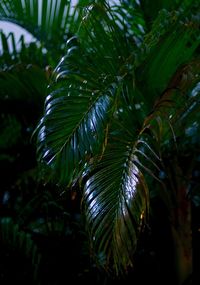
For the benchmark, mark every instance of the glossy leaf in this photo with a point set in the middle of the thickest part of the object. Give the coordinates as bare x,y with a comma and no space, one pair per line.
117,201
111,110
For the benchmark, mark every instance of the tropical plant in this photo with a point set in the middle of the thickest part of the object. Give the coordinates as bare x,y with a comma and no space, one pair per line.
119,102
121,118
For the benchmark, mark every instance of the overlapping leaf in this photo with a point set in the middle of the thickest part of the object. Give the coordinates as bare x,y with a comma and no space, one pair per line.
102,120
78,106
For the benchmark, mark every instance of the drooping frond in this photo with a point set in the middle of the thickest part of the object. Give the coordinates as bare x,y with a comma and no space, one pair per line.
116,194
71,130
116,198
109,112
80,101
75,114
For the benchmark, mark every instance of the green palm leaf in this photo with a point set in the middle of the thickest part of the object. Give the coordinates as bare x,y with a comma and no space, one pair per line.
80,98
29,80
14,52
129,17
72,138
107,117
116,202
173,49
50,22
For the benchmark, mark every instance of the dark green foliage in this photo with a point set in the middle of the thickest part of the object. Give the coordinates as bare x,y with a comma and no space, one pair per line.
119,117
19,246
120,103
50,224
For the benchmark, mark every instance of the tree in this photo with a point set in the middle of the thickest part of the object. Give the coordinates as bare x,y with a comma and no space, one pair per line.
121,119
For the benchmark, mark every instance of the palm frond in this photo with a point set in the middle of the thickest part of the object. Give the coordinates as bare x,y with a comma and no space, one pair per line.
99,20
116,198
161,63
76,131
84,86
50,22
29,80
14,52
116,193
129,17
108,113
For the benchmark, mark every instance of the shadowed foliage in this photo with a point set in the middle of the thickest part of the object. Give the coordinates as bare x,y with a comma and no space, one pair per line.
120,118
